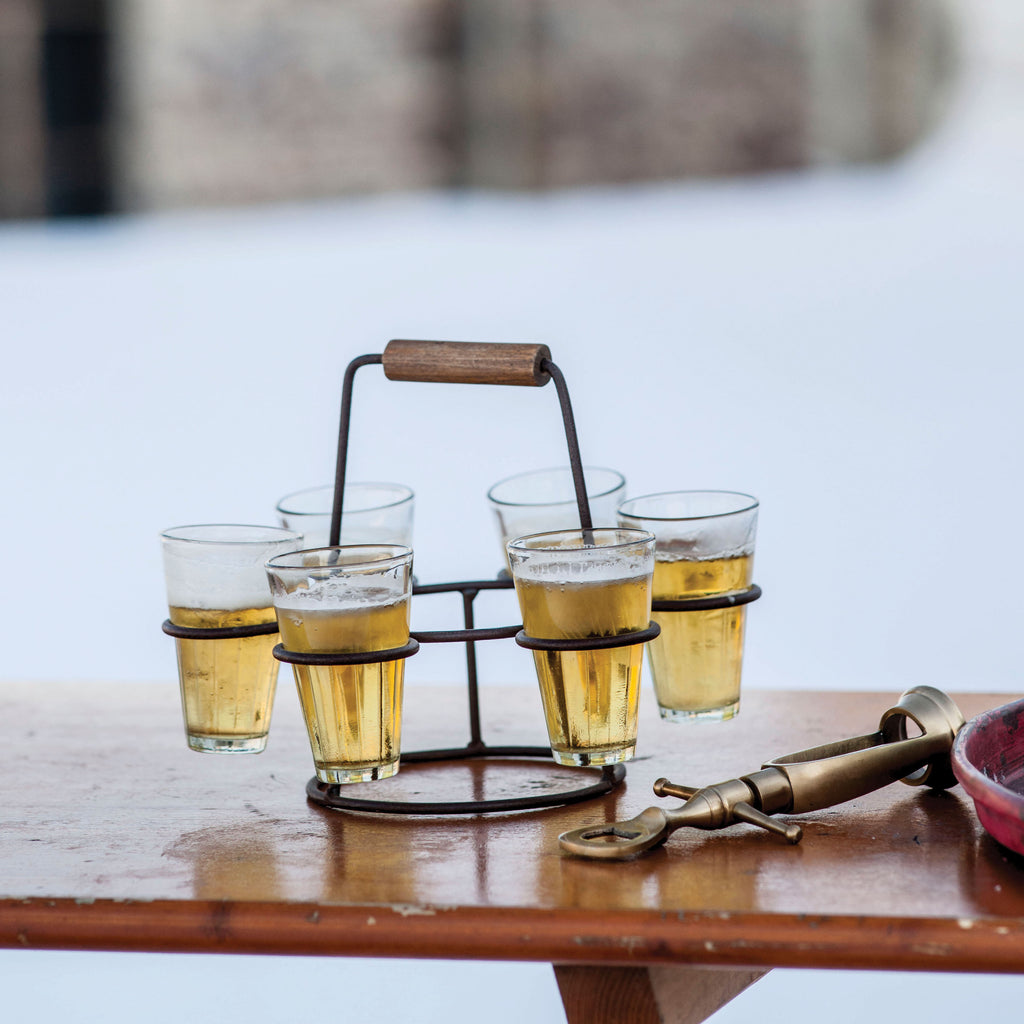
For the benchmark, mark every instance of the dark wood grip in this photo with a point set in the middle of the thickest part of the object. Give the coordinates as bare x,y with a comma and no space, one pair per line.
466,362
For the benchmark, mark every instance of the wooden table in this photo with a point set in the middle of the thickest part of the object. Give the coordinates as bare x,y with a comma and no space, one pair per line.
116,837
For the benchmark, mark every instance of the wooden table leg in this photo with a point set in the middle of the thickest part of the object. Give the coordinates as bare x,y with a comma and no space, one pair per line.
647,995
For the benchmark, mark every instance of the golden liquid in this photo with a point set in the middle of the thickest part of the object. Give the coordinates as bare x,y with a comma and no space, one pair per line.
227,686
697,659
590,697
353,713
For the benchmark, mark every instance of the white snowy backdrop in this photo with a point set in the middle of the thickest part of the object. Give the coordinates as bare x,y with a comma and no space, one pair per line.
845,346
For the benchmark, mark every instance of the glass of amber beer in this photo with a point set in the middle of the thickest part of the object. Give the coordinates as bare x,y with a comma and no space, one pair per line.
573,585
371,514
215,579
705,547
347,600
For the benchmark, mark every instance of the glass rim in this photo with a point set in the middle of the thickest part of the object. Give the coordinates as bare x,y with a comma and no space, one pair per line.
640,537
751,503
406,494
280,534
399,553
554,469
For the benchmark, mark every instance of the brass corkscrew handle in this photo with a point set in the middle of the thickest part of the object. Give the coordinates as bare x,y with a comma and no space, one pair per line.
836,772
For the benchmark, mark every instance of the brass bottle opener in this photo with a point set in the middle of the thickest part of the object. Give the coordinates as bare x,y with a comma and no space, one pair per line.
806,781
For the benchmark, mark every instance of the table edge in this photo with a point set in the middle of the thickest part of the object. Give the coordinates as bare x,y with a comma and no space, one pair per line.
713,938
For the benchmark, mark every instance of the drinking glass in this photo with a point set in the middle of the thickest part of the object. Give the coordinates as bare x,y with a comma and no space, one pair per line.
340,600
545,500
705,547
573,585
371,514
215,579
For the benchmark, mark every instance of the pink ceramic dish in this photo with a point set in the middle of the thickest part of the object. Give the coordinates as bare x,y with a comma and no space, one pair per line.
988,759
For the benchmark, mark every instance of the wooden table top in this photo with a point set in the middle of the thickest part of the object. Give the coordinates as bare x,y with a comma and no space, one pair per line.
115,836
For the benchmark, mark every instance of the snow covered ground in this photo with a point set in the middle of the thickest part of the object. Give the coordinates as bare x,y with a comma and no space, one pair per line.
845,346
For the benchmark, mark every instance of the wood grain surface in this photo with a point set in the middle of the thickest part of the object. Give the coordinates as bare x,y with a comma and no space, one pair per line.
466,362
115,836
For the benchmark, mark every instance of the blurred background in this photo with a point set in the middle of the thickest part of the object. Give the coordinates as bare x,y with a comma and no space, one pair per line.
773,244
154,104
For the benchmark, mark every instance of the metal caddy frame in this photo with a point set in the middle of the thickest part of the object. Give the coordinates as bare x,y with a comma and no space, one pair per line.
467,363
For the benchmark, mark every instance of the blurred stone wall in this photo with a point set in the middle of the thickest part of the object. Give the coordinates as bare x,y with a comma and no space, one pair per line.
21,110
566,92
266,100
880,74
572,91
255,100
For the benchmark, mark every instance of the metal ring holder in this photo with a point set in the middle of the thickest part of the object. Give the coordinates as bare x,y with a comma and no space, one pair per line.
706,604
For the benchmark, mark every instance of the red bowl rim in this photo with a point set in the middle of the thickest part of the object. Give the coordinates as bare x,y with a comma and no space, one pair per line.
980,787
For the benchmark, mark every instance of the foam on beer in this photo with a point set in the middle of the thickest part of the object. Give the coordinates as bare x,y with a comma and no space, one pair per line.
592,567
678,549
195,583
342,594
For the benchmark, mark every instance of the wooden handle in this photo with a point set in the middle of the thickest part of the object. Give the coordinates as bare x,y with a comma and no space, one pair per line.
466,362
